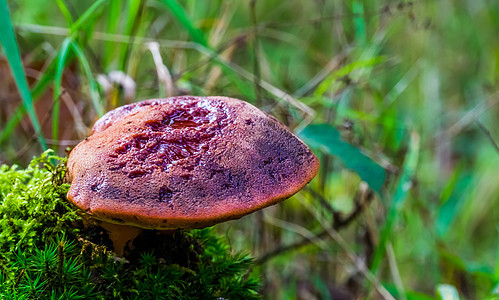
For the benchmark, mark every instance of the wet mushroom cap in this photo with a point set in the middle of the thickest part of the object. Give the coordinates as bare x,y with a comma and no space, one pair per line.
186,162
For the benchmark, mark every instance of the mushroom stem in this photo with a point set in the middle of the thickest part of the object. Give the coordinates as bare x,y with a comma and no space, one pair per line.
120,235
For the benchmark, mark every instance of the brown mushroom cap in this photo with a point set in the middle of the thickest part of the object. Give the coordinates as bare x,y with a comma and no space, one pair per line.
186,162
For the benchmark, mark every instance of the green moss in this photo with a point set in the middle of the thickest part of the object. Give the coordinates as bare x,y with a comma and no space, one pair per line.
46,252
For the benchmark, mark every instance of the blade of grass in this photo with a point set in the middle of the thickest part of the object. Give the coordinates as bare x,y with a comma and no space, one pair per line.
9,43
65,12
63,53
351,67
411,295
403,187
178,11
453,205
401,86
394,270
94,93
133,8
91,12
241,85
358,21
132,12
112,27
332,65
144,22
496,271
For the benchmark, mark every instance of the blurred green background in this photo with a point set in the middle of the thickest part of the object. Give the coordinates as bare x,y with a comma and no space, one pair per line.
397,98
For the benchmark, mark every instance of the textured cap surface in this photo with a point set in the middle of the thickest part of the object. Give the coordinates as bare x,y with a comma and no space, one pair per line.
186,162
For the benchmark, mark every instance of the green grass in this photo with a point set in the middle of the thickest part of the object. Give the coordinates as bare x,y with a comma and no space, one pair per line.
178,11
11,51
401,95
61,62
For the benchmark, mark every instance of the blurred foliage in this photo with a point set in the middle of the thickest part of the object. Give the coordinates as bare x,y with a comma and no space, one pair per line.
409,86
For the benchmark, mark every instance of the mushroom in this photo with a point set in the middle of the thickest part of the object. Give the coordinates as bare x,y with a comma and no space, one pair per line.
184,162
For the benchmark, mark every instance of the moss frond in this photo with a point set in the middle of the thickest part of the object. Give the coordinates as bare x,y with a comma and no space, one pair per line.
45,252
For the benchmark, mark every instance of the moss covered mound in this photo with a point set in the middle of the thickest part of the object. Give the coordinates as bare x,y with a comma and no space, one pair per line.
46,253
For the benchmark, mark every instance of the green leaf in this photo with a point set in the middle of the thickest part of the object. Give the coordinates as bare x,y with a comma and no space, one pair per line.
453,205
179,13
8,41
327,138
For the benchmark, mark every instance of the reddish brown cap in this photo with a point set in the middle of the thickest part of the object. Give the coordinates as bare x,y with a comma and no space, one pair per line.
186,162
